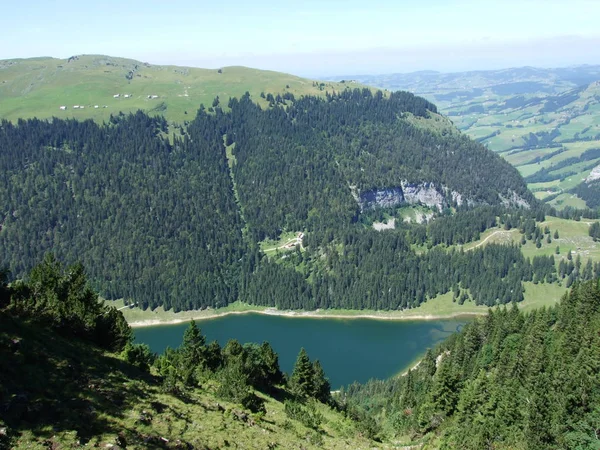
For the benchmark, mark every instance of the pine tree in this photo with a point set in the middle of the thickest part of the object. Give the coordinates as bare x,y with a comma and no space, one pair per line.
321,387
301,381
192,352
445,390
270,363
4,291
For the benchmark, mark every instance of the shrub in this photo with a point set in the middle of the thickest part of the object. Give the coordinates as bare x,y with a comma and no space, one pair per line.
139,355
306,415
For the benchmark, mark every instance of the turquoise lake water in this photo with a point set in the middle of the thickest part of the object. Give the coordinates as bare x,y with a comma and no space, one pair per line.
349,349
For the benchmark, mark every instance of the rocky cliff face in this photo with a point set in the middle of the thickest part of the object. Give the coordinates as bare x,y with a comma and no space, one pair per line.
427,194
513,199
381,198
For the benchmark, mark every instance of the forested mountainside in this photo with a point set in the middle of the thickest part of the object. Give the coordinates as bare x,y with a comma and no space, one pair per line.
295,172
543,121
71,376
163,220
506,381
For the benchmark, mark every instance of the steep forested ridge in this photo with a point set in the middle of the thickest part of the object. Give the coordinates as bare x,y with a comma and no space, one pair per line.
506,381
156,219
152,220
295,171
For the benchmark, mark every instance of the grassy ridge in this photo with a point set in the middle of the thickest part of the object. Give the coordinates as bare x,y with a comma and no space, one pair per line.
37,87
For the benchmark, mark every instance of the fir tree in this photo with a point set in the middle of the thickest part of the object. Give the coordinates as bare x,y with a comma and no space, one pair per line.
301,381
321,387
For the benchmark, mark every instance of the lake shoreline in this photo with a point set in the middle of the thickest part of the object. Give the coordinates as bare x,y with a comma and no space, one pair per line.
318,314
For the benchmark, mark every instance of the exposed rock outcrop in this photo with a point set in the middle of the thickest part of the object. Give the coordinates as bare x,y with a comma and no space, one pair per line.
420,217
428,194
514,199
594,175
388,225
381,198
425,193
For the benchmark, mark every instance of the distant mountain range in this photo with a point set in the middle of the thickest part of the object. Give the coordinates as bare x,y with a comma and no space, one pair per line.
514,81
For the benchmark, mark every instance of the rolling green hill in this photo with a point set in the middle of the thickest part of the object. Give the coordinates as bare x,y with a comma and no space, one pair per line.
546,122
38,87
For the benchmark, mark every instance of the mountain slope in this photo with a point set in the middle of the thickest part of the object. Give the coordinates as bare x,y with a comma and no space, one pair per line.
61,388
38,87
166,221
543,121
506,381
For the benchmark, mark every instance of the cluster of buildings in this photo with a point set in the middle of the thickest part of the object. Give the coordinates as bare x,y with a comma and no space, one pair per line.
64,108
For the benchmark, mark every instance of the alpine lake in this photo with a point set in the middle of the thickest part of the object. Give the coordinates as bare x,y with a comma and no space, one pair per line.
348,349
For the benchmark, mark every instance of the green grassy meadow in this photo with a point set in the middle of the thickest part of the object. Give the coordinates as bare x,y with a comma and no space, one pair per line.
573,236
278,245
38,87
520,135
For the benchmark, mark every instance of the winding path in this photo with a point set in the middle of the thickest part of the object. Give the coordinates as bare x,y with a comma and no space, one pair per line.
491,235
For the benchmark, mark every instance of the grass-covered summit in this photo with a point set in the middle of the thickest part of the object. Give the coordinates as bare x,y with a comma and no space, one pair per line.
38,87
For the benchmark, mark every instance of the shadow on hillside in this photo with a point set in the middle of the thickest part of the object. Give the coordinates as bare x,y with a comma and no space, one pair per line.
50,384
279,394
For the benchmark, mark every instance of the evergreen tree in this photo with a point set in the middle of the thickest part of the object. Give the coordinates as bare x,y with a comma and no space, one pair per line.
301,381
534,384
192,353
321,387
4,291
270,361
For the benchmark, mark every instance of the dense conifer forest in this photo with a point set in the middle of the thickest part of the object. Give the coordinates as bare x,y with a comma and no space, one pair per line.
174,220
506,381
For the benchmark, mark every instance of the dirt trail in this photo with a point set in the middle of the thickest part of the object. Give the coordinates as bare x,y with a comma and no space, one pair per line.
493,234
289,244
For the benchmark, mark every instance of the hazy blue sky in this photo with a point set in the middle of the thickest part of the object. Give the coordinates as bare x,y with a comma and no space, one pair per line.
311,37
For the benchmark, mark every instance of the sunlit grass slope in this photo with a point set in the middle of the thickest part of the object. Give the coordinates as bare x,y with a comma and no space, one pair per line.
38,87
62,393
